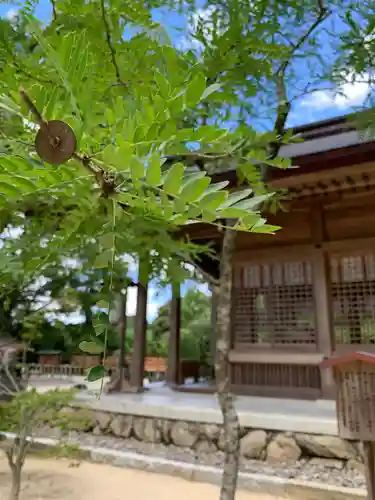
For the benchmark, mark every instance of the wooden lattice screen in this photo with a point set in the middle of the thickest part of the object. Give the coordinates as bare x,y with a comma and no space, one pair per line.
274,304
356,402
276,379
353,297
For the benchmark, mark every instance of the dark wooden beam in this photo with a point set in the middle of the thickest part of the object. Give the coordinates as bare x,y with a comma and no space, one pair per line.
174,337
323,297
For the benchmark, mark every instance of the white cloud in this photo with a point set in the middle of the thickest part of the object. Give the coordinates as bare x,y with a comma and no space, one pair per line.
30,125
70,263
351,93
132,301
200,16
204,288
74,318
12,14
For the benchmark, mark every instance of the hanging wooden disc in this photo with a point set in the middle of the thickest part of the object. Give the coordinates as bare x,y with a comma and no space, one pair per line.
56,142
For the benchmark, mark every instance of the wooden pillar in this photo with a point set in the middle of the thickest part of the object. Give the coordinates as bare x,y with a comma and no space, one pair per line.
323,300
140,328
369,456
174,337
324,320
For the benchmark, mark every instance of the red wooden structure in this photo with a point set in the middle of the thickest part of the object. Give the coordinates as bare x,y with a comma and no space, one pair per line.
354,376
50,357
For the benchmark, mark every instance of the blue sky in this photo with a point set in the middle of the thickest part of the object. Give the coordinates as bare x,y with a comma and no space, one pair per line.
315,107
318,106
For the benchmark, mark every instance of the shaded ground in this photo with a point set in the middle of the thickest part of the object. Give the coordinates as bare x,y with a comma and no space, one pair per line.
55,480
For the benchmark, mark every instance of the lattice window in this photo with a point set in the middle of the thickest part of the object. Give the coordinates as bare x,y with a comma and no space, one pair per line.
353,295
356,401
275,375
274,304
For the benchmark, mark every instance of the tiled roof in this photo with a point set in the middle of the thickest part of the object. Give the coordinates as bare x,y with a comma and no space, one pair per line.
325,136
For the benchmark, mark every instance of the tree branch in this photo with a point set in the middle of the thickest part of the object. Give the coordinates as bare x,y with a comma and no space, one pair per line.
110,44
283,103
33,110
54,13
323,13
207,276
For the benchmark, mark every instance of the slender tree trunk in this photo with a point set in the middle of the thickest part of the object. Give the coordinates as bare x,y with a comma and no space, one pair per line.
222,369
122,364
16,483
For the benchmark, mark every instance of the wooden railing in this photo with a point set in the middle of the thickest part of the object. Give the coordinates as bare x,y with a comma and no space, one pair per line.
155,367
54,371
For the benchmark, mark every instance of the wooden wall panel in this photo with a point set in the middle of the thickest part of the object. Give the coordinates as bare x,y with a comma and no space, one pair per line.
349,222
295,229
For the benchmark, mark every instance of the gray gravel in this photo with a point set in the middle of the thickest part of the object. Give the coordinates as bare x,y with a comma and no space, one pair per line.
332,472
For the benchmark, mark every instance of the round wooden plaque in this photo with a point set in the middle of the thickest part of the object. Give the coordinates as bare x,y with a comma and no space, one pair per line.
56,143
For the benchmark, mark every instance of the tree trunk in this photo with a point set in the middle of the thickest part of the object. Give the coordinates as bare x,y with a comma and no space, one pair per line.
16,482
122,364
222,369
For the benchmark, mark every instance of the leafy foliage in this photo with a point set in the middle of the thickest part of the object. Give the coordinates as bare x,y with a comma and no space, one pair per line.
196,328
24,415
136,177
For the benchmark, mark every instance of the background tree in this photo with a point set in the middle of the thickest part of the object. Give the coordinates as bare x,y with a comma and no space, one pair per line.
26,413
196,328
143,168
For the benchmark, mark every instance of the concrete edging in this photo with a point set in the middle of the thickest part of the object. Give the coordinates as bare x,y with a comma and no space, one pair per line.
252,482
254,419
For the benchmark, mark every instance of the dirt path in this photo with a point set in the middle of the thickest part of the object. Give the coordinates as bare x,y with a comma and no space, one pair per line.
55,480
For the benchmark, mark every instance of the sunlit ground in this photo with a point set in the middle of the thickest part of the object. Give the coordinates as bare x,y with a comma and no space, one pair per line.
57,480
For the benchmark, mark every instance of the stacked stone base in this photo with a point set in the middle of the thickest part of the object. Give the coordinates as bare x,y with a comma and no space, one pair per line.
270,446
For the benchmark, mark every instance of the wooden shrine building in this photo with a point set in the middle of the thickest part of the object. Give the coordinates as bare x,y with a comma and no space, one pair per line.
309,290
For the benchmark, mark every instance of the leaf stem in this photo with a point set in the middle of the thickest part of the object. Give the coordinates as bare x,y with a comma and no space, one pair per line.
110,44
110,290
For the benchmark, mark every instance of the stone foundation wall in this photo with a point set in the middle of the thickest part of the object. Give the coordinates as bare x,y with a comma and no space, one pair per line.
270,446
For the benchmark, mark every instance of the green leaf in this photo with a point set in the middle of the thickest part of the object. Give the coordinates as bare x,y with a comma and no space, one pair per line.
179,205
218,186
125,154
208,215
91,347
103,260
209,133
212,201
8,190
251,219
102,304
100,323
110,156
7,104
253,203
265,228
95,373
22,182
136,169
153,172
194,212
167,206
179,219
192,177
163,84
236,197
210,90
231,213
194,189
173,179
195,89
107,240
